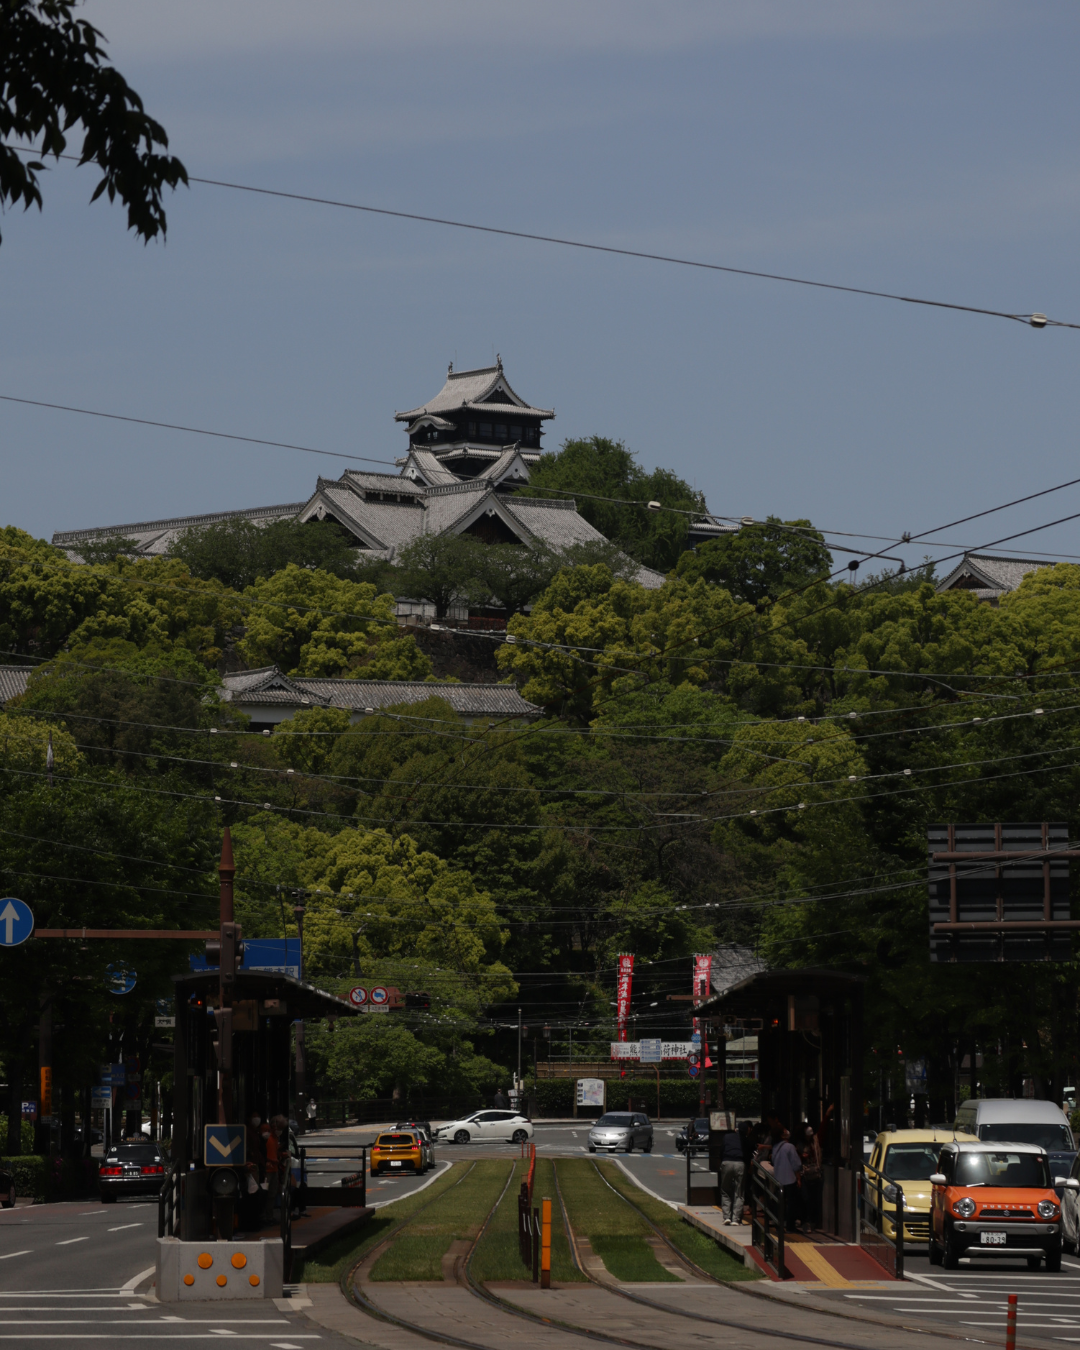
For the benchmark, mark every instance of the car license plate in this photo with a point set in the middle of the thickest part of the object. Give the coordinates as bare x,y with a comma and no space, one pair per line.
992,1239
397,1164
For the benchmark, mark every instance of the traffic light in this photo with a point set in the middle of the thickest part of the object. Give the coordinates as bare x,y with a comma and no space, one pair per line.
419,1000
226,952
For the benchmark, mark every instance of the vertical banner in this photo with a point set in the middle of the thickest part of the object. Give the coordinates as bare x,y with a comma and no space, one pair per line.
702,989
46,1091
622,995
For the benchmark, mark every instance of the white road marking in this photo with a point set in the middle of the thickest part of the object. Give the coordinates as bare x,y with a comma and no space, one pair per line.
8,1255
122,1226
283,1345
68,1241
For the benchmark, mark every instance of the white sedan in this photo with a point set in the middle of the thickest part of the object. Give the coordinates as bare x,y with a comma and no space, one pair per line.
484,1125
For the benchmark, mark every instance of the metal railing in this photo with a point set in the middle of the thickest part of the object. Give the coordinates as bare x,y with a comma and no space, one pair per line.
529,1232
875,1191
767,1218
168,1222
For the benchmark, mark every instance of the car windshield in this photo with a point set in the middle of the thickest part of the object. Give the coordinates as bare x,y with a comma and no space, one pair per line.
1054,1138
140,1153
1002,1169
388,1140
616,1118
701,1125
911,1162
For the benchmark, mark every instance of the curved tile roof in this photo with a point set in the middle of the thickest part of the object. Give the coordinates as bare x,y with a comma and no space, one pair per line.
473,389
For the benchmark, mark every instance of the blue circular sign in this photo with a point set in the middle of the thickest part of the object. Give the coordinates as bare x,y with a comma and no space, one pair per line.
119,980
693,1069
16,921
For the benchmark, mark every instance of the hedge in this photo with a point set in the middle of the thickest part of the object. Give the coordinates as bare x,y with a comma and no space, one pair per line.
31,1175
26,1134
678,1096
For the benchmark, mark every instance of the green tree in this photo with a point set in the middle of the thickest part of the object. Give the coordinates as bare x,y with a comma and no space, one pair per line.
760,561
53,74
313,623
441,568
238,552
597,467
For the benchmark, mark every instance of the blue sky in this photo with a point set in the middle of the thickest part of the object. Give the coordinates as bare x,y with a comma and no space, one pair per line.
924,148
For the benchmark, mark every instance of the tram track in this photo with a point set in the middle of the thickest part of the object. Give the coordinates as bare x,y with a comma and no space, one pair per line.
352,1289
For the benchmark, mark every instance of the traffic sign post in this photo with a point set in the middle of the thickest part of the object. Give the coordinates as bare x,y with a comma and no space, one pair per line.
16,922
358,996
224,1146
119,980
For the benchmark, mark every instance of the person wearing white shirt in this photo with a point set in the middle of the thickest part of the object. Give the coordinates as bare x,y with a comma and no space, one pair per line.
787,1165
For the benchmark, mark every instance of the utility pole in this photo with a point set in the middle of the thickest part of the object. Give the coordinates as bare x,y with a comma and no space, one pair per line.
519,1060
301,1062
228,949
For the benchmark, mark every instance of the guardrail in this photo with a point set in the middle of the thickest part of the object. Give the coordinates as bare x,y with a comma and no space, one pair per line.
766,1214
874,1193
529,1233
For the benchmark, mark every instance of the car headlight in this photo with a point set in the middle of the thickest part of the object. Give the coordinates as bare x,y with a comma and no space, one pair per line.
1048,1210
965,1207
889,1192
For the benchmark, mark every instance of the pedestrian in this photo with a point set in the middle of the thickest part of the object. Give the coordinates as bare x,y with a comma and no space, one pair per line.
272,1180
500,1103
312,1113
732,1176
786,1166
811,1178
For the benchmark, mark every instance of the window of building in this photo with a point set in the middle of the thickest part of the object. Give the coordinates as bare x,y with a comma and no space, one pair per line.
501,433
485,431
515,433
472,429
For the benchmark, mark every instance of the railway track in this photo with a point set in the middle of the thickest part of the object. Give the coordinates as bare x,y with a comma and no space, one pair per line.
356,1291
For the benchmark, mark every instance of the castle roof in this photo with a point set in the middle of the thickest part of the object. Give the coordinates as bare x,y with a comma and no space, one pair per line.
486,390
988,575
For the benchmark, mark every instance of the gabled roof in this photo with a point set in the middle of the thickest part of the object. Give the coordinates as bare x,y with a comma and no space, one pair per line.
267,685
988,575
478,390
510,467
423,466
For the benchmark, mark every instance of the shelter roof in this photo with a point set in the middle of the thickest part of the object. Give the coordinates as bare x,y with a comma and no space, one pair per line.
468,700
475,390
763,988
302,999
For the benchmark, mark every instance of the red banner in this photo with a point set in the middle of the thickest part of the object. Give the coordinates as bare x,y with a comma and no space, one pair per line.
702,990
622,994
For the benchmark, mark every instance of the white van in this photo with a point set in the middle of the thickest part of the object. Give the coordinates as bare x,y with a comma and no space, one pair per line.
1020,1120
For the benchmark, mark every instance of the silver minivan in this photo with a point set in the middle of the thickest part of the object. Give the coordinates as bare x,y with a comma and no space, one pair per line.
625,1130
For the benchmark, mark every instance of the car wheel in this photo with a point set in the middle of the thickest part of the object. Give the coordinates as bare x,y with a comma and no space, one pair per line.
951,1256
933,1253
9,1203
519,1136
462,1137
1034,1262
592,1148
629,1146
108,1199
1053,1260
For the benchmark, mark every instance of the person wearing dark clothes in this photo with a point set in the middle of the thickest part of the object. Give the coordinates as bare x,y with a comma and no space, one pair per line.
500,1103
732,1176
811,1178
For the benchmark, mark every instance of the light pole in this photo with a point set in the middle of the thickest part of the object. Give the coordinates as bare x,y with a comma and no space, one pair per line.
519,1059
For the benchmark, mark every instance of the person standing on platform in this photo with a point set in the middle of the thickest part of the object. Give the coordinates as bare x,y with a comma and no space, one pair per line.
732,1176
786,1166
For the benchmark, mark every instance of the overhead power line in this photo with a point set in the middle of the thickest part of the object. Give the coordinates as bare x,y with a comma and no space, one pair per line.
195,431
1034,320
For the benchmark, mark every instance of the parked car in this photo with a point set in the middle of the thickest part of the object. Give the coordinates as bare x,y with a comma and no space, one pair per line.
994,1200
697,1133
1021,1120
908,1159
398,1151
7,1188
1069,1191
427,1139
131,1169
625,1130
484,1125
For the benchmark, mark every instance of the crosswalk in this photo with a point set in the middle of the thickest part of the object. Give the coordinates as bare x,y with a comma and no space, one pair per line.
975,1300
41,1317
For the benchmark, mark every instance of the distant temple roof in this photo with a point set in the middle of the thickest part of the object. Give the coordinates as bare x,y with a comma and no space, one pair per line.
990,576
485,390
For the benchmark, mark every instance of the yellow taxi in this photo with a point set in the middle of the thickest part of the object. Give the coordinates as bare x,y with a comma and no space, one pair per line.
398,1151
907,1159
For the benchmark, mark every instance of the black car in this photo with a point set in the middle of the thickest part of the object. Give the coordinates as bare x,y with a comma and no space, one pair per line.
131,1169
697,1132
7,1188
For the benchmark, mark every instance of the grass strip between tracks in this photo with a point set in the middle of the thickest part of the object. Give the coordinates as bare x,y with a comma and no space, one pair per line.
497,1256
616,1231
457,1215
715,1260
331,1263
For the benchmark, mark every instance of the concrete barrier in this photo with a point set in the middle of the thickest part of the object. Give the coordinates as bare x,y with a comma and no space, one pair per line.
190,1272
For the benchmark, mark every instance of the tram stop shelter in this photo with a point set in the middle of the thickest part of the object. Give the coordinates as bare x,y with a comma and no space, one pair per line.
809,1024
244,1059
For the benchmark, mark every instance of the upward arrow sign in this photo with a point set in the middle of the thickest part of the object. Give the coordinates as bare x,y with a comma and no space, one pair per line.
9,918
